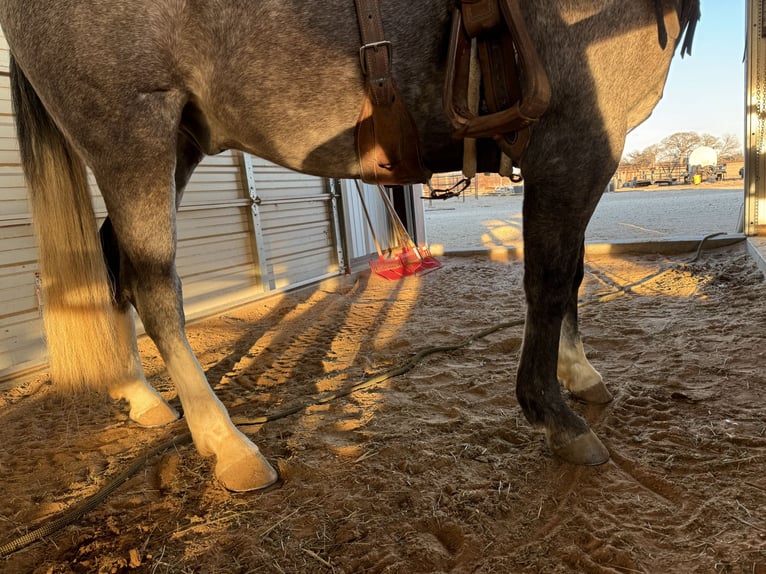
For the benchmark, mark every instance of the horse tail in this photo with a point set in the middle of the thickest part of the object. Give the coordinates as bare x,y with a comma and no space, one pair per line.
78,312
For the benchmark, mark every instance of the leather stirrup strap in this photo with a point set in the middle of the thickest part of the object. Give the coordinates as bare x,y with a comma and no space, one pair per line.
516,87
387,142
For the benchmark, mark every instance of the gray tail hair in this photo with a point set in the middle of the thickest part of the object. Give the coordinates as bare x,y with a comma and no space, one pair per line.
77,298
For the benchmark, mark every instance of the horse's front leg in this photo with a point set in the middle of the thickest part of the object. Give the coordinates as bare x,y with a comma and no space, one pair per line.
574,371
554,228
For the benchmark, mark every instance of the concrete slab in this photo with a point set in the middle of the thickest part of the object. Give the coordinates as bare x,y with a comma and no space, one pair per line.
666,246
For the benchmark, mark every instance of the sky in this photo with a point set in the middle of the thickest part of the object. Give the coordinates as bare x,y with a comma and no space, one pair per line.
705,93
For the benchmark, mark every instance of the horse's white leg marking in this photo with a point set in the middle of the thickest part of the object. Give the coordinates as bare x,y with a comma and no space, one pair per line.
147,407
575,372
239,465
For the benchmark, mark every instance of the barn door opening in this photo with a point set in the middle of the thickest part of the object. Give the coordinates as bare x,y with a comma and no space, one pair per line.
409,208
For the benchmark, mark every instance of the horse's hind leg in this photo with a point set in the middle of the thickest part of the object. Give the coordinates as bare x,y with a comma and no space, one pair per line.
139,192
573,369
147,407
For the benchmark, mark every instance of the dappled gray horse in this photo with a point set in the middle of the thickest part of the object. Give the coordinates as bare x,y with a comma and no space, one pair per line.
140,91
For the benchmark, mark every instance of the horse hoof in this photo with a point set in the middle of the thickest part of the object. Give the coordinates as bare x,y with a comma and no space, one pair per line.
159,415
585,449
596,394
250,472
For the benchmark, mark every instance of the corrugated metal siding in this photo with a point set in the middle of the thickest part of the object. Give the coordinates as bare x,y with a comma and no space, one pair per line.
360,243
21,330
295,215
13,193
421,238
216,259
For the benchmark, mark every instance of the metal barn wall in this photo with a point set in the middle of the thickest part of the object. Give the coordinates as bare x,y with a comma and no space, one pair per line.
21,330
359,240
419,215
216,257
246,228
295,217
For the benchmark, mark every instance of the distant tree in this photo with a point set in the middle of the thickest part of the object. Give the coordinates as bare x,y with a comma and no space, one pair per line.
677,147
729,148
710,141
646,157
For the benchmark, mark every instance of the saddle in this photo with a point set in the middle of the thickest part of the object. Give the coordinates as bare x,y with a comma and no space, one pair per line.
495,87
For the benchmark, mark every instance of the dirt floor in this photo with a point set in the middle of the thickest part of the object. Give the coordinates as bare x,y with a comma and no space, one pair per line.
435,470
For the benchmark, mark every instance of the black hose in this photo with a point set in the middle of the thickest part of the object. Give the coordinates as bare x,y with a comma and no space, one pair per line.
89,504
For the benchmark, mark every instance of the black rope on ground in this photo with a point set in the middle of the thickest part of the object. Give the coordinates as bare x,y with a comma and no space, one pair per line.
627,288
390,374
702,244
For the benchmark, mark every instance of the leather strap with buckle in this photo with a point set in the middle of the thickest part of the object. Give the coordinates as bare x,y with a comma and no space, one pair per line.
516,88
387,142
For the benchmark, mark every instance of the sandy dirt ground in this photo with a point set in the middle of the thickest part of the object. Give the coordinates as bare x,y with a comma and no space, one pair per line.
435,470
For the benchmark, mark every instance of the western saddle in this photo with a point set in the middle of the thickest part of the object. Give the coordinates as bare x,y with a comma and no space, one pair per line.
495,87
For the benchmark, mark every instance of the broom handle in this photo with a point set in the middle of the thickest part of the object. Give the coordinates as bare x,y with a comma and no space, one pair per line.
367,216
401,231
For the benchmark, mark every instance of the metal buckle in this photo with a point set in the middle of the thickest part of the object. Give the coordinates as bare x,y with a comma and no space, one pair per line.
373,46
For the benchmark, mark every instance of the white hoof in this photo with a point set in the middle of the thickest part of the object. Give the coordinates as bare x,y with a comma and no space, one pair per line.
157,415
578,376
249,471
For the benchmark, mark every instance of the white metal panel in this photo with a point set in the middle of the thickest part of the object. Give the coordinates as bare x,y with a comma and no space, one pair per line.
359,238
419,215
13,193
21,330
296,225
4,53
215,257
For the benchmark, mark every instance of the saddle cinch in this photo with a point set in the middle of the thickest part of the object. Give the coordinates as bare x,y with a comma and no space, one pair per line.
495,87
